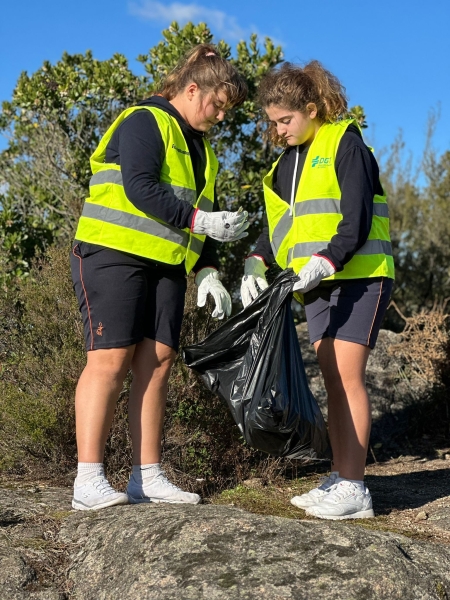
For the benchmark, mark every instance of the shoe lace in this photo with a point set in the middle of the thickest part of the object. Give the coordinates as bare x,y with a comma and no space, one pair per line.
163,479
103,486
340,491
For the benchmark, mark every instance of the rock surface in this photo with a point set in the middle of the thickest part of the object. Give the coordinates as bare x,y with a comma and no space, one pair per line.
29,523
390,392
161,552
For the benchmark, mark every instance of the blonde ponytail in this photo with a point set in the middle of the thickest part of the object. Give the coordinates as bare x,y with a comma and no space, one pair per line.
212,73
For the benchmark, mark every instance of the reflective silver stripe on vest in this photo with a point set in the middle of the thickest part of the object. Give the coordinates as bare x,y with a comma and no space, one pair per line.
205,204
189,196
196,246
281,230
332,205
310,248
380,209
181,192
314,207
142,224
113,176
106,176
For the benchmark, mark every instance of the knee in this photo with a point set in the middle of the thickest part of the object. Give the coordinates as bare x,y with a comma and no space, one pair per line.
164,363
155,366
344,386
108,364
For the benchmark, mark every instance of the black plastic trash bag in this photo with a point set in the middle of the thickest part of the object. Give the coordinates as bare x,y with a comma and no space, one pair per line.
253,362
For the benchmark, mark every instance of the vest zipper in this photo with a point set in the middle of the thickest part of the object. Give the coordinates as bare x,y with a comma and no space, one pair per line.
291,208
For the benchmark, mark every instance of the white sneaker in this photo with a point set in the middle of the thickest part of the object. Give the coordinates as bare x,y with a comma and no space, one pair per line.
317,494
158,489
96,493
345,500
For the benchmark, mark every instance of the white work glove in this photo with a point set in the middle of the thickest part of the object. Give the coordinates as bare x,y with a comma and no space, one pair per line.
208,282
223,226
312,273
254,273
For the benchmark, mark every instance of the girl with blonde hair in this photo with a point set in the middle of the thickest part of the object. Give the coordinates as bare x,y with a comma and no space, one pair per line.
327,218
151,217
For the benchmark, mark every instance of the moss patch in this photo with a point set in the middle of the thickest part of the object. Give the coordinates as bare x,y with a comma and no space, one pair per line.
274,500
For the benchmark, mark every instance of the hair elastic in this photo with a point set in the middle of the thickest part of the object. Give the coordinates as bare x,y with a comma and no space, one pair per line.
211,54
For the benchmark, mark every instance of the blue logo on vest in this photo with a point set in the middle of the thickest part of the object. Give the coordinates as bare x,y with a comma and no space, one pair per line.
319,161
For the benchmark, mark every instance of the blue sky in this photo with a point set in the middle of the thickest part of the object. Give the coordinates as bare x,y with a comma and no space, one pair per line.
392,56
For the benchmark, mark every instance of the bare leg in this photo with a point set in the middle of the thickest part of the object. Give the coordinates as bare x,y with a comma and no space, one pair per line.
151,365
98,389
343,365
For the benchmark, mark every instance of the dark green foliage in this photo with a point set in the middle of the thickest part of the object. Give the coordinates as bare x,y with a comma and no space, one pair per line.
57,117
54,121
42,353
42,358
420,229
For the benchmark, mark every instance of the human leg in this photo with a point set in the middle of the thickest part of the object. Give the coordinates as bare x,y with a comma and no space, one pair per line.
343,365
344,318
96,396
111,326
151,367
95,400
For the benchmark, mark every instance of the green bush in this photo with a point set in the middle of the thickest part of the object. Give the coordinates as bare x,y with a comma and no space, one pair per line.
42,356
42,353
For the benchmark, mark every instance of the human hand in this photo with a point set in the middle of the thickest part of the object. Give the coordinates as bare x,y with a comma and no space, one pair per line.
312,273
254,274
208,282
223,226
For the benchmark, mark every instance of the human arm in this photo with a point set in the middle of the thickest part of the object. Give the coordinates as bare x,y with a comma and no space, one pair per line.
357,173
140,152
255,267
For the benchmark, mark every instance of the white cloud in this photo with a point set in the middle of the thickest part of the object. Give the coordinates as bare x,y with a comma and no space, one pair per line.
182,13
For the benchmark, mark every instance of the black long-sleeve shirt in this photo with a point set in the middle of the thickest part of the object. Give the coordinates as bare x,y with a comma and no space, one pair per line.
137,146
358,177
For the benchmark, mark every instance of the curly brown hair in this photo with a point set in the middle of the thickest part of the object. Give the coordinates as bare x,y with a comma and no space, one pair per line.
212,73
293,87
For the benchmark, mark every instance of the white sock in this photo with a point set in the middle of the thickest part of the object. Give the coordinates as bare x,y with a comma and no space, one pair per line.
87,471
141,472
356,482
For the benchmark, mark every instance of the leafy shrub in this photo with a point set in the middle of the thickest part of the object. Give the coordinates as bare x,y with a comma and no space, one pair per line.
42,357
42,352
424,346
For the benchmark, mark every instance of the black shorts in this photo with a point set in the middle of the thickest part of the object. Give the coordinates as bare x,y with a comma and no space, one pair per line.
124,298
348,309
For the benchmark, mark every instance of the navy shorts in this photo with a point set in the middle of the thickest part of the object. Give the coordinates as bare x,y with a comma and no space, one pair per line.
348,309
124,298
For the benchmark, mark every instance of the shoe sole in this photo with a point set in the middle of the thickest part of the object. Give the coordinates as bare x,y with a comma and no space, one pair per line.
158,501
362,514
302,506
80,506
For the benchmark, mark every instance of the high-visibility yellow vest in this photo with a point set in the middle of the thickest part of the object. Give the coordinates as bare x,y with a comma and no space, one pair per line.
110,219
299,231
